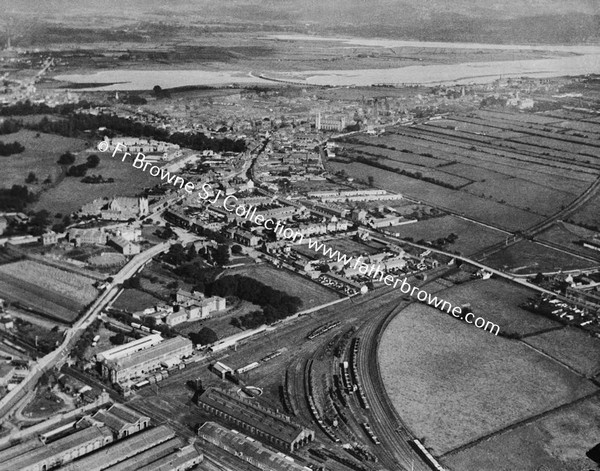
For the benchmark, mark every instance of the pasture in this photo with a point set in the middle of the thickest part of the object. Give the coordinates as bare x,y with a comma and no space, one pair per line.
452,383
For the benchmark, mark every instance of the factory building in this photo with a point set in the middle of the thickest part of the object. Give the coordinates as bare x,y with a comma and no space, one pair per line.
259,421
247,449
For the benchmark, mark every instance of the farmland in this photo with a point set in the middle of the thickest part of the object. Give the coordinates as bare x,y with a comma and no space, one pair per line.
472,237
505,169
573,347
567,236
499,301
558,441
54,292
453,383
527,257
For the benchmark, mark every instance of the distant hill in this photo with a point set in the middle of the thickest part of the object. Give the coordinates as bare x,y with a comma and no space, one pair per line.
495,21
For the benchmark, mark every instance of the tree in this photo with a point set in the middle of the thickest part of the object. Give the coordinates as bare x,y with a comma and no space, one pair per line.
93,161
236,249
205,336
222,255
118,339
31,178
371,180
66,159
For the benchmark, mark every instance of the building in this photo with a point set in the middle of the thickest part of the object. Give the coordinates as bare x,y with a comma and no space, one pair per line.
259,421
87,236
129,348
247,449
121,420
124,246
7,372
3,224
142,363
117,209
330,123
49,238
40,457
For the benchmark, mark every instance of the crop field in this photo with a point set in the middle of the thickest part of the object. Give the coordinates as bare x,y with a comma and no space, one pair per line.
453,383
471,237
527,257
572,346
74,287
498,301
40,156
517,193
558,441
311,294
31,296
71,193
133,300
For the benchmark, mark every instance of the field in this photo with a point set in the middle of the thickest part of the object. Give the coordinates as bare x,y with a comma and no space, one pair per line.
54,292
503,168
40,156
499,301
71,194
566,235
310,293
471,237
133,300
527,257
556,442
453,383
589,214
573,347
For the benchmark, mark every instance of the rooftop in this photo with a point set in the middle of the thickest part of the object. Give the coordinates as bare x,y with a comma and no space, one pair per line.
155,352
261,418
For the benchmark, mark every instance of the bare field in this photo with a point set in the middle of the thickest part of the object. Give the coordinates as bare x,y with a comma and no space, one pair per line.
557,442
310,293
528,257
498,301
471,237
71,194
453,383
572,346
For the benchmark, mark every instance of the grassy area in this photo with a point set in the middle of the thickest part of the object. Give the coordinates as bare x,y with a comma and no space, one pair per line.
566,235
453,383
498,301
528,257
310,293
572,346
71,193
471,237
133,300
556,442
44,404
40,156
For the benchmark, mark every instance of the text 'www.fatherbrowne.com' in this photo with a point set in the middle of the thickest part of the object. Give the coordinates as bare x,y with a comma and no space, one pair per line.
230,204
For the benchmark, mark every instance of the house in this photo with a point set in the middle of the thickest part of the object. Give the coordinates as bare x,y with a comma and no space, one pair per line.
49,238
124,246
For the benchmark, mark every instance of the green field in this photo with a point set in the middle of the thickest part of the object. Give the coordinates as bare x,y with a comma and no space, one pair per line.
471,237
40,156
498,301
71,193
557,442
133,300
452,383
527,257
311,294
